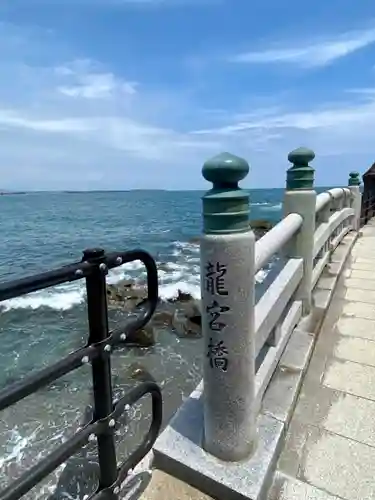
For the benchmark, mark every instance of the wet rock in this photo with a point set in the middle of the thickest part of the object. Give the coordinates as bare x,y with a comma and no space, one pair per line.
126,291
125,284
261,226
195,240
144,337
162,318
138,293
186,327
186,320
182,312
196,320
181,297
136,371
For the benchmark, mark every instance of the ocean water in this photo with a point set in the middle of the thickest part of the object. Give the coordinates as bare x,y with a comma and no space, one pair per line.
41,231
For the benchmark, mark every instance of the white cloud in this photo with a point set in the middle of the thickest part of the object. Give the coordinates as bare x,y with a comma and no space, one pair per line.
13,119
321,119
341,136
81,125
313,54
56,141
83,80
65,124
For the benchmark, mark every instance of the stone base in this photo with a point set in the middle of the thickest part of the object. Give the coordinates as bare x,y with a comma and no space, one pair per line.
178,451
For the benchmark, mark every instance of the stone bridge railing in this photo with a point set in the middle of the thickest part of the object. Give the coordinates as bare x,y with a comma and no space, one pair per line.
244,339
236,329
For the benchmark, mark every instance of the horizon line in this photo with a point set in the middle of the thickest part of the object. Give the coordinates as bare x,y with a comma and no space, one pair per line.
5,192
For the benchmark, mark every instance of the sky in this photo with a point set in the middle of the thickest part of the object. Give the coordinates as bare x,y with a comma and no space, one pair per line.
137,94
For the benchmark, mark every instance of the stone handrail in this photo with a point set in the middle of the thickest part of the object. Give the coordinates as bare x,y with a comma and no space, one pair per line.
270,325
326,229
322,200
275,239
227,419
239,334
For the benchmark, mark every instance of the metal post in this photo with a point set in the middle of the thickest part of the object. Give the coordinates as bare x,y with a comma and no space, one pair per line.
300,198
227,284
356,199
101,367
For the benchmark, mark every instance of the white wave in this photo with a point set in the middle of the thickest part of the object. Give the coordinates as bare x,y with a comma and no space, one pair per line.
259,204
125,271
275,207
261,275
191,286
183,247
18,445
57,300
170,291
183,275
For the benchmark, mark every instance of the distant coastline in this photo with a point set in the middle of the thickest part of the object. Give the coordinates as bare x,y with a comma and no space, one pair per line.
2,193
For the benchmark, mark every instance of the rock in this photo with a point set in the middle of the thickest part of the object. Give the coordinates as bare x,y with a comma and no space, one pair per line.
125,283
145,337
136,371
162,318
186,319
261,224
182,313
196,320
135,293
185,326
127,293
181,297
113,294
190,308
195,240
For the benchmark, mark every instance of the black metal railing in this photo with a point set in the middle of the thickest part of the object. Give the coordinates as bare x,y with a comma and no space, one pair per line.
94,268
367,208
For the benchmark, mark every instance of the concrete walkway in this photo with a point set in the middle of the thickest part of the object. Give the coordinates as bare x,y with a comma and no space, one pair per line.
329,451
166,487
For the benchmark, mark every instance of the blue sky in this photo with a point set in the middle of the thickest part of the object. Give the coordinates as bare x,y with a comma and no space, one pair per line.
123,94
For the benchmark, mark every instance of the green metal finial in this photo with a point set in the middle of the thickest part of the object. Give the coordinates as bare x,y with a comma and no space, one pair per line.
225,206
300,175
354,179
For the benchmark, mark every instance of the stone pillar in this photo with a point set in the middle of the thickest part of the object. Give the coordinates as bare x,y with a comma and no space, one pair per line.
356,201
300,198
227,285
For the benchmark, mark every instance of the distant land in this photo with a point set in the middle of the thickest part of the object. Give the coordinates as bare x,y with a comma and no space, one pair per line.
3,192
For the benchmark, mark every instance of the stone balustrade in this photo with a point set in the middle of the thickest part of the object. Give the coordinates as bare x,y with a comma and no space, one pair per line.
220,434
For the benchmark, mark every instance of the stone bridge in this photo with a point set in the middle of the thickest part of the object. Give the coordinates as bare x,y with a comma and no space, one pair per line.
288,404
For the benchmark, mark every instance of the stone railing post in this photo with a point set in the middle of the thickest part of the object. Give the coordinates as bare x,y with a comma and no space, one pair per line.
300,198
227,285
356,199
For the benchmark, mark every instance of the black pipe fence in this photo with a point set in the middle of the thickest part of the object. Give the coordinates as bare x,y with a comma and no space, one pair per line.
93,268
367,208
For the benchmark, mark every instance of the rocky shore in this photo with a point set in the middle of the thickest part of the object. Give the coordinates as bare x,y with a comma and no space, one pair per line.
181,314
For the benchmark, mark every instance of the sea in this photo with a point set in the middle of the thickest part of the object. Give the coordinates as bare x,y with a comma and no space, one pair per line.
42,231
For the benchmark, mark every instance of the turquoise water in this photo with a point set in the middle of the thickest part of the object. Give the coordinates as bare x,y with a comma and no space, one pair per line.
46,230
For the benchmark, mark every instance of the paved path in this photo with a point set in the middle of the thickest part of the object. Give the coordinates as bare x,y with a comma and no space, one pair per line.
330,448
165,487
